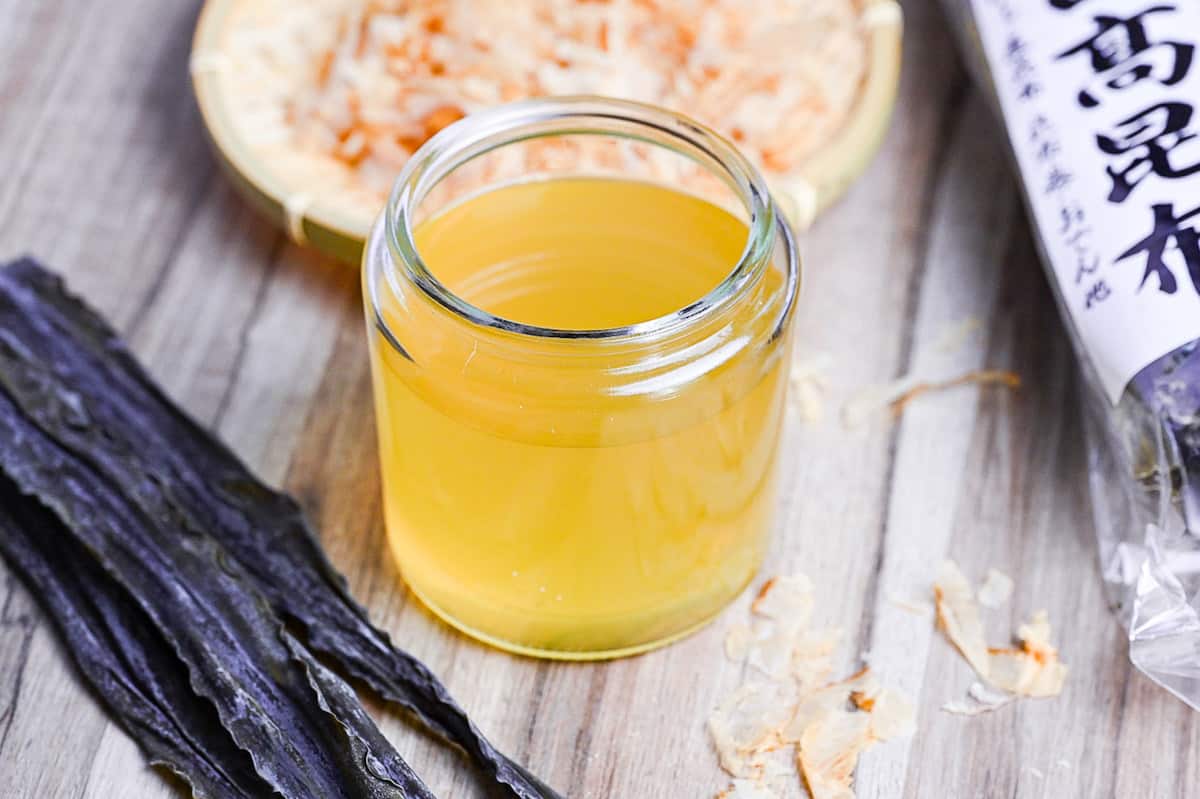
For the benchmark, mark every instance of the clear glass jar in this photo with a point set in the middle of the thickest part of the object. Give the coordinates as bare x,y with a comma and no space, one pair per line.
553,487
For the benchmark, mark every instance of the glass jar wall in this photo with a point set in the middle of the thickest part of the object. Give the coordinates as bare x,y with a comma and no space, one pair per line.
579,312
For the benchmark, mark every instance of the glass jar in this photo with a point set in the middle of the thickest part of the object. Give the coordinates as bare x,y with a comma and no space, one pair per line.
554,486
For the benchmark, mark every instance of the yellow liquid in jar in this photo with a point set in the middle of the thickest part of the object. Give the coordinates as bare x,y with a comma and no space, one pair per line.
582,528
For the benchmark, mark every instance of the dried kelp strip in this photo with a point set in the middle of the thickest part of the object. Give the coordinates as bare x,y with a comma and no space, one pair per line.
132,668
205,606
338,700
73,376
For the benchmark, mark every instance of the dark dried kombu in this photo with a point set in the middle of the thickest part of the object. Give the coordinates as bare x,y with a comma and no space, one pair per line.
73,390
129,665
235,650
70,374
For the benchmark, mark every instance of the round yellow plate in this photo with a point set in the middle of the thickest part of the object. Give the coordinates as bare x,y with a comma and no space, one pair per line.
340,231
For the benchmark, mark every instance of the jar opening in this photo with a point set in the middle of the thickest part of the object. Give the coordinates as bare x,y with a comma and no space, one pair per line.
483,153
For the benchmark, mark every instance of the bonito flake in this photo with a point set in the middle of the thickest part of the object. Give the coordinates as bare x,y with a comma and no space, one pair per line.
996,589
747,789
829,750
738,641
791,723
958,616
897,394
892,713
833,737
816,705
748,722
772,654
806,386
980,699
812,657
788,600
1033,669
914,606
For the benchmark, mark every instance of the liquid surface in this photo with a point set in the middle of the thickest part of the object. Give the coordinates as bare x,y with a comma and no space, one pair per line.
560,509
582,254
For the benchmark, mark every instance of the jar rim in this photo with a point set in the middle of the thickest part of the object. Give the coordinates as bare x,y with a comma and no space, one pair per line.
484,131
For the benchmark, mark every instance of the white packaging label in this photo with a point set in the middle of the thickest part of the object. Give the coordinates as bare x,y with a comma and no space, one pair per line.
1102,103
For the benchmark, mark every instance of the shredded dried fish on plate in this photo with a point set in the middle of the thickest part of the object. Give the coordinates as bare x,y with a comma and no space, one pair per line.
337,94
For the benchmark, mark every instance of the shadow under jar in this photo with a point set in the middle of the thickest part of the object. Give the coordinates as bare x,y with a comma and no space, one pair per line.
579,312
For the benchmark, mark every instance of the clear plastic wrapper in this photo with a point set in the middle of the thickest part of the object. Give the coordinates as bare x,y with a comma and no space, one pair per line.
1100,103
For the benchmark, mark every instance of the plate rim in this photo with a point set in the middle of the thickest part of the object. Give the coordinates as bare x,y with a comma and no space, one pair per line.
824,177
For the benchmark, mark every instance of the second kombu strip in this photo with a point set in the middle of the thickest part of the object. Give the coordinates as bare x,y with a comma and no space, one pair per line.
69,383
128,662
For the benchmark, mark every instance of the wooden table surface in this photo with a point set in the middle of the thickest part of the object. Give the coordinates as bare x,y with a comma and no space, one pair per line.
107,177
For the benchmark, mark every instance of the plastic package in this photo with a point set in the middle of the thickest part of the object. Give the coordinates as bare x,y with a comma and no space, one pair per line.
1099,102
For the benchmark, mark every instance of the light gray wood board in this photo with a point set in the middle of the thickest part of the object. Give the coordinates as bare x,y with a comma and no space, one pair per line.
107,178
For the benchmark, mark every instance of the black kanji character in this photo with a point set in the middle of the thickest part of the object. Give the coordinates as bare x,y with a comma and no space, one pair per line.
1041,133
1117,49
1099,292
1086,263
1057,178
1071,216
1169,229
1022,68
1117,40
1150,135
1048,150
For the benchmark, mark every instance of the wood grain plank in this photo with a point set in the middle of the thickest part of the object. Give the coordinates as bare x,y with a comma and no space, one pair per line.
18,619
104,164
265,341
33,52
118,768
1155,753
191,335
1022,512
287,345
969,228
56,727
